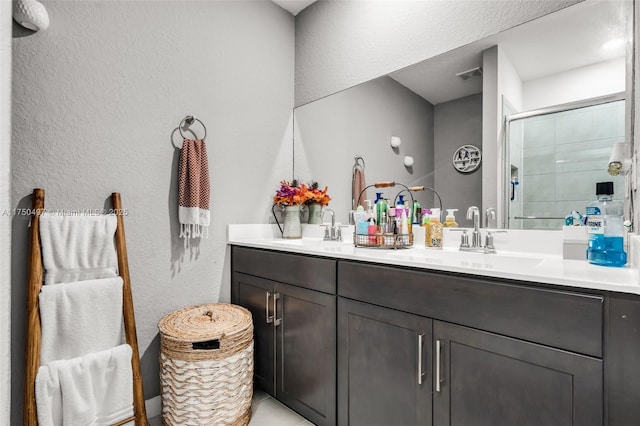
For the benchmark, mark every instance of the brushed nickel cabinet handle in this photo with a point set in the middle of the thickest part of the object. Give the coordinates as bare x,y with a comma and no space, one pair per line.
438,361
276,320
420,366
269,318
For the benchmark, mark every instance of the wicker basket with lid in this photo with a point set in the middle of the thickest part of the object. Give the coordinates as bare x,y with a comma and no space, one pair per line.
206,365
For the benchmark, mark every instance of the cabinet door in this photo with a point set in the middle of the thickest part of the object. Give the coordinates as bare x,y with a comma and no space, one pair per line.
488,379
383,356
306,352
256,294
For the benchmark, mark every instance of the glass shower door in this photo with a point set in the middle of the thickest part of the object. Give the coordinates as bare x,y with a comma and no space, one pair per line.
555,160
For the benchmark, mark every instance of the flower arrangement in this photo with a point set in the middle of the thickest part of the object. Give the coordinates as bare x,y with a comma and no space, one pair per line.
294,194
318,196
290,194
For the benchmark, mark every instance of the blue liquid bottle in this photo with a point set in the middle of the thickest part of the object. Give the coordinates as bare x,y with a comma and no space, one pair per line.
605,228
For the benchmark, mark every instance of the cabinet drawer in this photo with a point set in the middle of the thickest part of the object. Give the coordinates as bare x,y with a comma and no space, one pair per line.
560,319
303,271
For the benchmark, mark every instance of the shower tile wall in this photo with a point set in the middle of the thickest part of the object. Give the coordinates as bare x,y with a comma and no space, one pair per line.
563,156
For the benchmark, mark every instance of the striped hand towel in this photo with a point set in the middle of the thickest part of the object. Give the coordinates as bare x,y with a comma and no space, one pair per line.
193,189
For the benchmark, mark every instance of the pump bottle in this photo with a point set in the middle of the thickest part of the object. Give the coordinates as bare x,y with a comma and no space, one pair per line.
450,220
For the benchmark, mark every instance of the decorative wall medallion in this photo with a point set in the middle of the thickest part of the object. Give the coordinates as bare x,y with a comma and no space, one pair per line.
467,158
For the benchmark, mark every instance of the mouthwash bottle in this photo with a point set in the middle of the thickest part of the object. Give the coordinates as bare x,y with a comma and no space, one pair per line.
605,228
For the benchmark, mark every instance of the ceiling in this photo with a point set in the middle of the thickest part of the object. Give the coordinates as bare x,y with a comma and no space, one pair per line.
562,41
293,6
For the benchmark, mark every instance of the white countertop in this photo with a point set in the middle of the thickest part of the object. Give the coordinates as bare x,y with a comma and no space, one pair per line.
534,256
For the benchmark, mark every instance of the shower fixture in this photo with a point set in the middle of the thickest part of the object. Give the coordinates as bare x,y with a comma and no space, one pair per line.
619,162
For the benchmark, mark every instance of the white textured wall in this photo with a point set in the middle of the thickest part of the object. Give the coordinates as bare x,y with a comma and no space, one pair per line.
96,99
5,204
343,43
604,78
361,121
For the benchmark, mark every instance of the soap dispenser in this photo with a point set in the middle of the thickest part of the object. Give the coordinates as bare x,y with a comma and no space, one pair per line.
450,221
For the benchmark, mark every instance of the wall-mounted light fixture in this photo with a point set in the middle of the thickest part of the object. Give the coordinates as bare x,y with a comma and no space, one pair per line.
395,142
31,14
619,161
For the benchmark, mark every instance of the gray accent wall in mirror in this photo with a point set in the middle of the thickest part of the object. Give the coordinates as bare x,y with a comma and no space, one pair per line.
577,53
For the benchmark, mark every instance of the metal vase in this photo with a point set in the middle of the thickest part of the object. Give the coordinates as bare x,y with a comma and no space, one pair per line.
315,213
292,227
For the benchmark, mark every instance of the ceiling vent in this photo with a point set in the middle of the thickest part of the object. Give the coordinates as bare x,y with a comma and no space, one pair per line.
473,72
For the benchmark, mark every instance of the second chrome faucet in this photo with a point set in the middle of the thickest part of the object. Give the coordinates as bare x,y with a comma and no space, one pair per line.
473,213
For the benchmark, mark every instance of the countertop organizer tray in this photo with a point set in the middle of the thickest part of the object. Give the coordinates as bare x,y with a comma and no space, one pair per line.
384,241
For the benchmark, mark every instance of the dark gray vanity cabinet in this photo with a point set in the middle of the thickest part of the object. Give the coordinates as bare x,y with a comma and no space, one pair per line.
358,343
255,294
384,366
294,327
484,379
499,352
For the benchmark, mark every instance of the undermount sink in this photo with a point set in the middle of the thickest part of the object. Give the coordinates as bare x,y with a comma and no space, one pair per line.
289,241
467,259
309,242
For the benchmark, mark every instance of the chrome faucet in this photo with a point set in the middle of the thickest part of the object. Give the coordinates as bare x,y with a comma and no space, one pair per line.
333,232
473,213
490,213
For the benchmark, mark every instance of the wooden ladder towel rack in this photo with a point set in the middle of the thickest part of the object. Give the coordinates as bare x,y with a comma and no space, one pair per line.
34,336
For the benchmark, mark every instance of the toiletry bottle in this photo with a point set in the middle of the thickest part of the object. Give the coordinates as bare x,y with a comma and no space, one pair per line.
393,225
404,222
372,229
381,207
433,235
605,228
370,217
416,213
362,227
450,221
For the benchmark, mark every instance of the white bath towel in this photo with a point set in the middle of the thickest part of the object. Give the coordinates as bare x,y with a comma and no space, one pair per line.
95,389
78,247
80,317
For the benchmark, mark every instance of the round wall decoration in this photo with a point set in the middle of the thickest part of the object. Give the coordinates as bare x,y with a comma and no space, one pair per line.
467,158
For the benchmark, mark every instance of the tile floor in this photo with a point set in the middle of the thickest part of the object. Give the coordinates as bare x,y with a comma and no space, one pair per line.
265,411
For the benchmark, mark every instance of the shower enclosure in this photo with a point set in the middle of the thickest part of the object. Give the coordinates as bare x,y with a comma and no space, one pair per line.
555,156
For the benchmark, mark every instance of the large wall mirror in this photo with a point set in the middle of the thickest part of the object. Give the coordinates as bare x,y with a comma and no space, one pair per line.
567,73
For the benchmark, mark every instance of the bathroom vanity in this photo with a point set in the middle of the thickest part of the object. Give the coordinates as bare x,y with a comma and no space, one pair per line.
353,336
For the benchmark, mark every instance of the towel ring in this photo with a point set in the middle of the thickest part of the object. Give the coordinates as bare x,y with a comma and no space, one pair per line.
358,159
188,121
